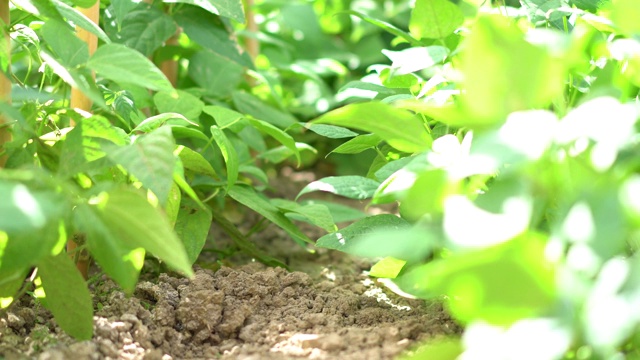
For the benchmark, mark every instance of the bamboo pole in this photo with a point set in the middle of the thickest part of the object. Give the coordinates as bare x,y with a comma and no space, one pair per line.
170,67
251,44
82,102
5,82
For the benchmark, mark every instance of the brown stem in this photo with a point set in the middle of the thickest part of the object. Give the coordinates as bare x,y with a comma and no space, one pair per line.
82,102
5,82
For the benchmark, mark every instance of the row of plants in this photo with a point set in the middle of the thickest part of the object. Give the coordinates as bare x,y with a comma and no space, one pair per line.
506,132
509,138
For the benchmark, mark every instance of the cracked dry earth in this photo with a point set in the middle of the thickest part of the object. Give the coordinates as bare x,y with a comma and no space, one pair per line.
328,309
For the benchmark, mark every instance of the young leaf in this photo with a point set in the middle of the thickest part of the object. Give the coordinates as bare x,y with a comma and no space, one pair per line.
228,153
435,19
353,187
397,127
358,144
121,64
346,239
227,8
389,267
122,210
331,131
194,161
67,296
251,199
180,102
316,214
192,227
146,29
150,159
119,259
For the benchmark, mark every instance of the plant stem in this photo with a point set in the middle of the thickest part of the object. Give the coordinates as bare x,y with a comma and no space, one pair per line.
5,82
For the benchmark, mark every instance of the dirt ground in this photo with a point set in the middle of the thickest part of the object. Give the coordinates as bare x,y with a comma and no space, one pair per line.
326,308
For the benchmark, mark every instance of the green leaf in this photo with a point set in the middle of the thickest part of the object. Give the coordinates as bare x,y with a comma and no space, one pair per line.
625,15
122,210
346,239
389,267
81,20
397,127
316,214
150,159
157,121
331,131
228,153
281,136
180,102
122,7
386,26
79,78
145,29
339,213
119,259
358,144
251,199
70,49
435,19
436,349
209,32
9,288
353,186
192,227
67,295
474,281
226,118
416,58
194,161
214,73
227,8
251,105
502,87
118,63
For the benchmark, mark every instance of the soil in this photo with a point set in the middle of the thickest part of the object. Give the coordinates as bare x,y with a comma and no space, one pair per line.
325,308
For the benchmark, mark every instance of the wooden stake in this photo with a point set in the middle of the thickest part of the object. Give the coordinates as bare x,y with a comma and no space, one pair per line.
5,82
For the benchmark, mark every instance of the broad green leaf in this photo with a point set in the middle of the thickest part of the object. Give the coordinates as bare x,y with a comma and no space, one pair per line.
386,26
401,242
192,227
145,29
157,121
9,288
227,8
228,153
121,260
209,32
358,144
397,127
331,131
255,172
474,281
79,78
121,8
180,102
353,186
316,214
87,142
251,199
214,73
121,211
416,58
427,195
339,213
435,19
194,161
121,64
346,239
625,15
390,79
251,105
70,49
436,349
281,136
81,20
389,267
84,3
150,159
31,226
226,118
67,296
502,87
